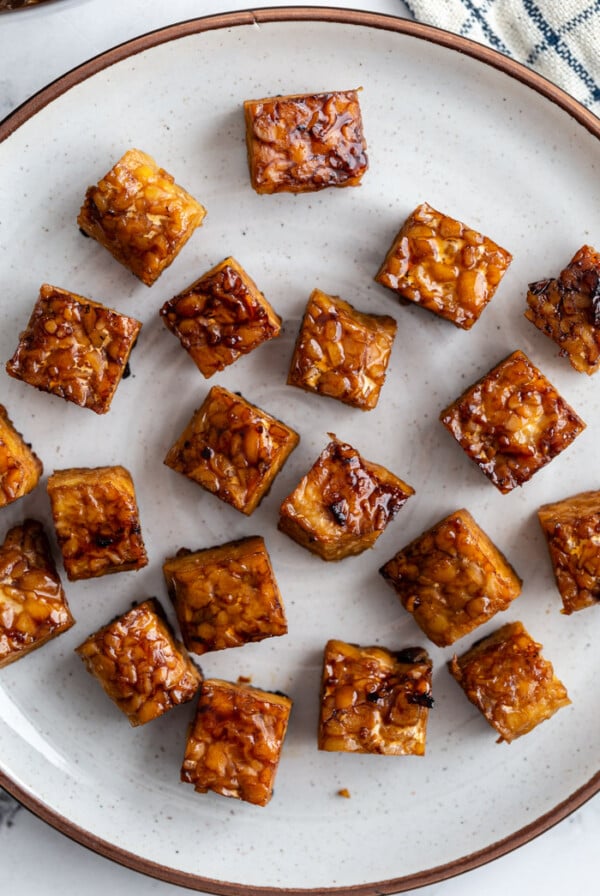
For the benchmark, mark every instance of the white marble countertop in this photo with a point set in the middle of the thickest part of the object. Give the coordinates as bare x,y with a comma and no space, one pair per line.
37,46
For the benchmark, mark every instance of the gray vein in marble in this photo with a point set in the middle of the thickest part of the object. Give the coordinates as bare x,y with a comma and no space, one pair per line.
8,809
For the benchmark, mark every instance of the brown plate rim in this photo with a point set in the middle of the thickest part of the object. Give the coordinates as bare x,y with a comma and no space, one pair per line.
361,18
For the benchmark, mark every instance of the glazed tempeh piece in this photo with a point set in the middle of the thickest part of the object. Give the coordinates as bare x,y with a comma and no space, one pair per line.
509,681
97,521
512,422
233,449
140,215
305,142
140,665
343,504
20,467
572,530
444,266
452,578
567,309
225,596
342,352
220,317
374,700
33,605
74,348
234,744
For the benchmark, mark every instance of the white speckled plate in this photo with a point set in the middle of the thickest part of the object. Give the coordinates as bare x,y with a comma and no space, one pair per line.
448,122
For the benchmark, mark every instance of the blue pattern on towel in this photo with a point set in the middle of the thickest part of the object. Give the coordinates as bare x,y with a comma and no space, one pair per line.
558,38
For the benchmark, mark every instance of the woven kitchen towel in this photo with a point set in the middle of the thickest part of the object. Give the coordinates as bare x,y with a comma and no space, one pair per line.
558,38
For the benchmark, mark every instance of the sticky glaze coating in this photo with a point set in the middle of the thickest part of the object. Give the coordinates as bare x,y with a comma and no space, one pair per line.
20,467
235,741
225,596
452,578
512,422
140,215
33,605
140,665
343,504
221,316
74,348
509,681
374,700
97,521
567,309
232,449
444,266
305,142
572,530
341,352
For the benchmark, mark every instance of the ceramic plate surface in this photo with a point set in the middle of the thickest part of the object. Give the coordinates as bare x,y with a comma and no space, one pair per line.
442,126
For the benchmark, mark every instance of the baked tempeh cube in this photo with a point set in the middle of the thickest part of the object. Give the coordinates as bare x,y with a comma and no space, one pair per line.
33,605
74,348
140,215
220,317
140,665
341,352
452,578
343,504
509,681
225,596
233,449
374,700
97,521
444,266
512,422
305,142
20,467
234,744
567,309
572,530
